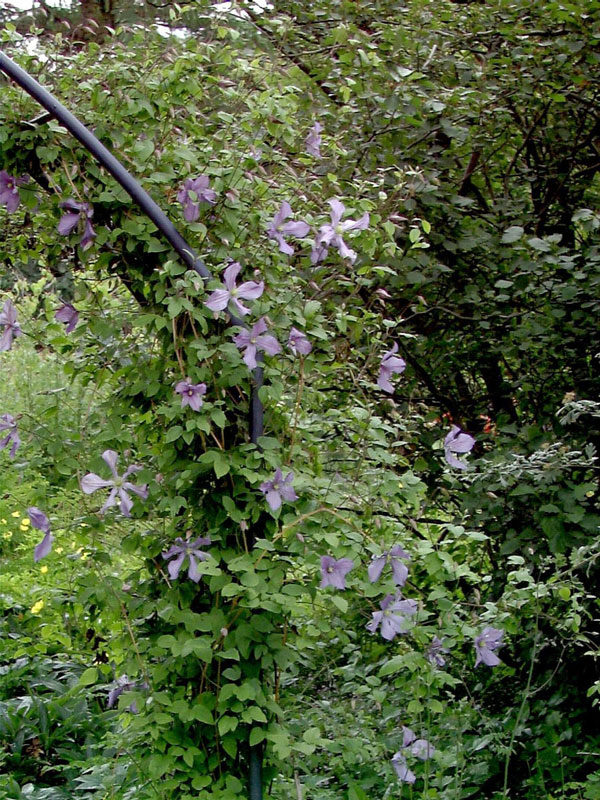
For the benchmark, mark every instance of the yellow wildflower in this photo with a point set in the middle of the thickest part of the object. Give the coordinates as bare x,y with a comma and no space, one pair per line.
23,527
26,522
44,569
3,521
16,514
59,550
37,607
7,535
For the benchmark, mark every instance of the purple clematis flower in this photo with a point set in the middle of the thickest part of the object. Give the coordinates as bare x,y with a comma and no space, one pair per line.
313,140
178,552
69,315
333,572
331,235
298,343
7,423
76,212
419,748
191,394
40,521
12,329
249,290
489,639
120,485
393,616
279,489
256,339
123,684
457,442
436,652
193,192
278,228
396,557
390,364
9,190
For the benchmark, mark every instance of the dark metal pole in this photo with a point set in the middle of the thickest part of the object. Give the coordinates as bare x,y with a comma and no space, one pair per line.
179,244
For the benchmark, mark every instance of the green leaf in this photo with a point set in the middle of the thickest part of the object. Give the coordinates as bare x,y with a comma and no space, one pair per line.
395,664
256,736
512,234
88,676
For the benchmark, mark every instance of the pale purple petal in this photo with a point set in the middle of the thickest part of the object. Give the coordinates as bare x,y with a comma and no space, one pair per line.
399,572
298,343
38,519
375,568
273,499
402,771
92,482
175,565
269,344
408,736
337,211
250,356
126,503
43,548
68,222
218,300
140,491
230,275
355,225
110,501
422,750
375,622
250,290
67,314
284,212
284,247
193,573
313,140
111,457
298,229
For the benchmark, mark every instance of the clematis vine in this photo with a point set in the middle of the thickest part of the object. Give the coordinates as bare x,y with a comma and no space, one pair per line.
457,442
256,339
390,364
40,521
69,315
182,549
8,425
191,394
331,235
120,486
9,190
395,558
221,298
393,617
12,329
193,192
77,212
278,228
313,140
298,343
489,639
333,572
279,489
